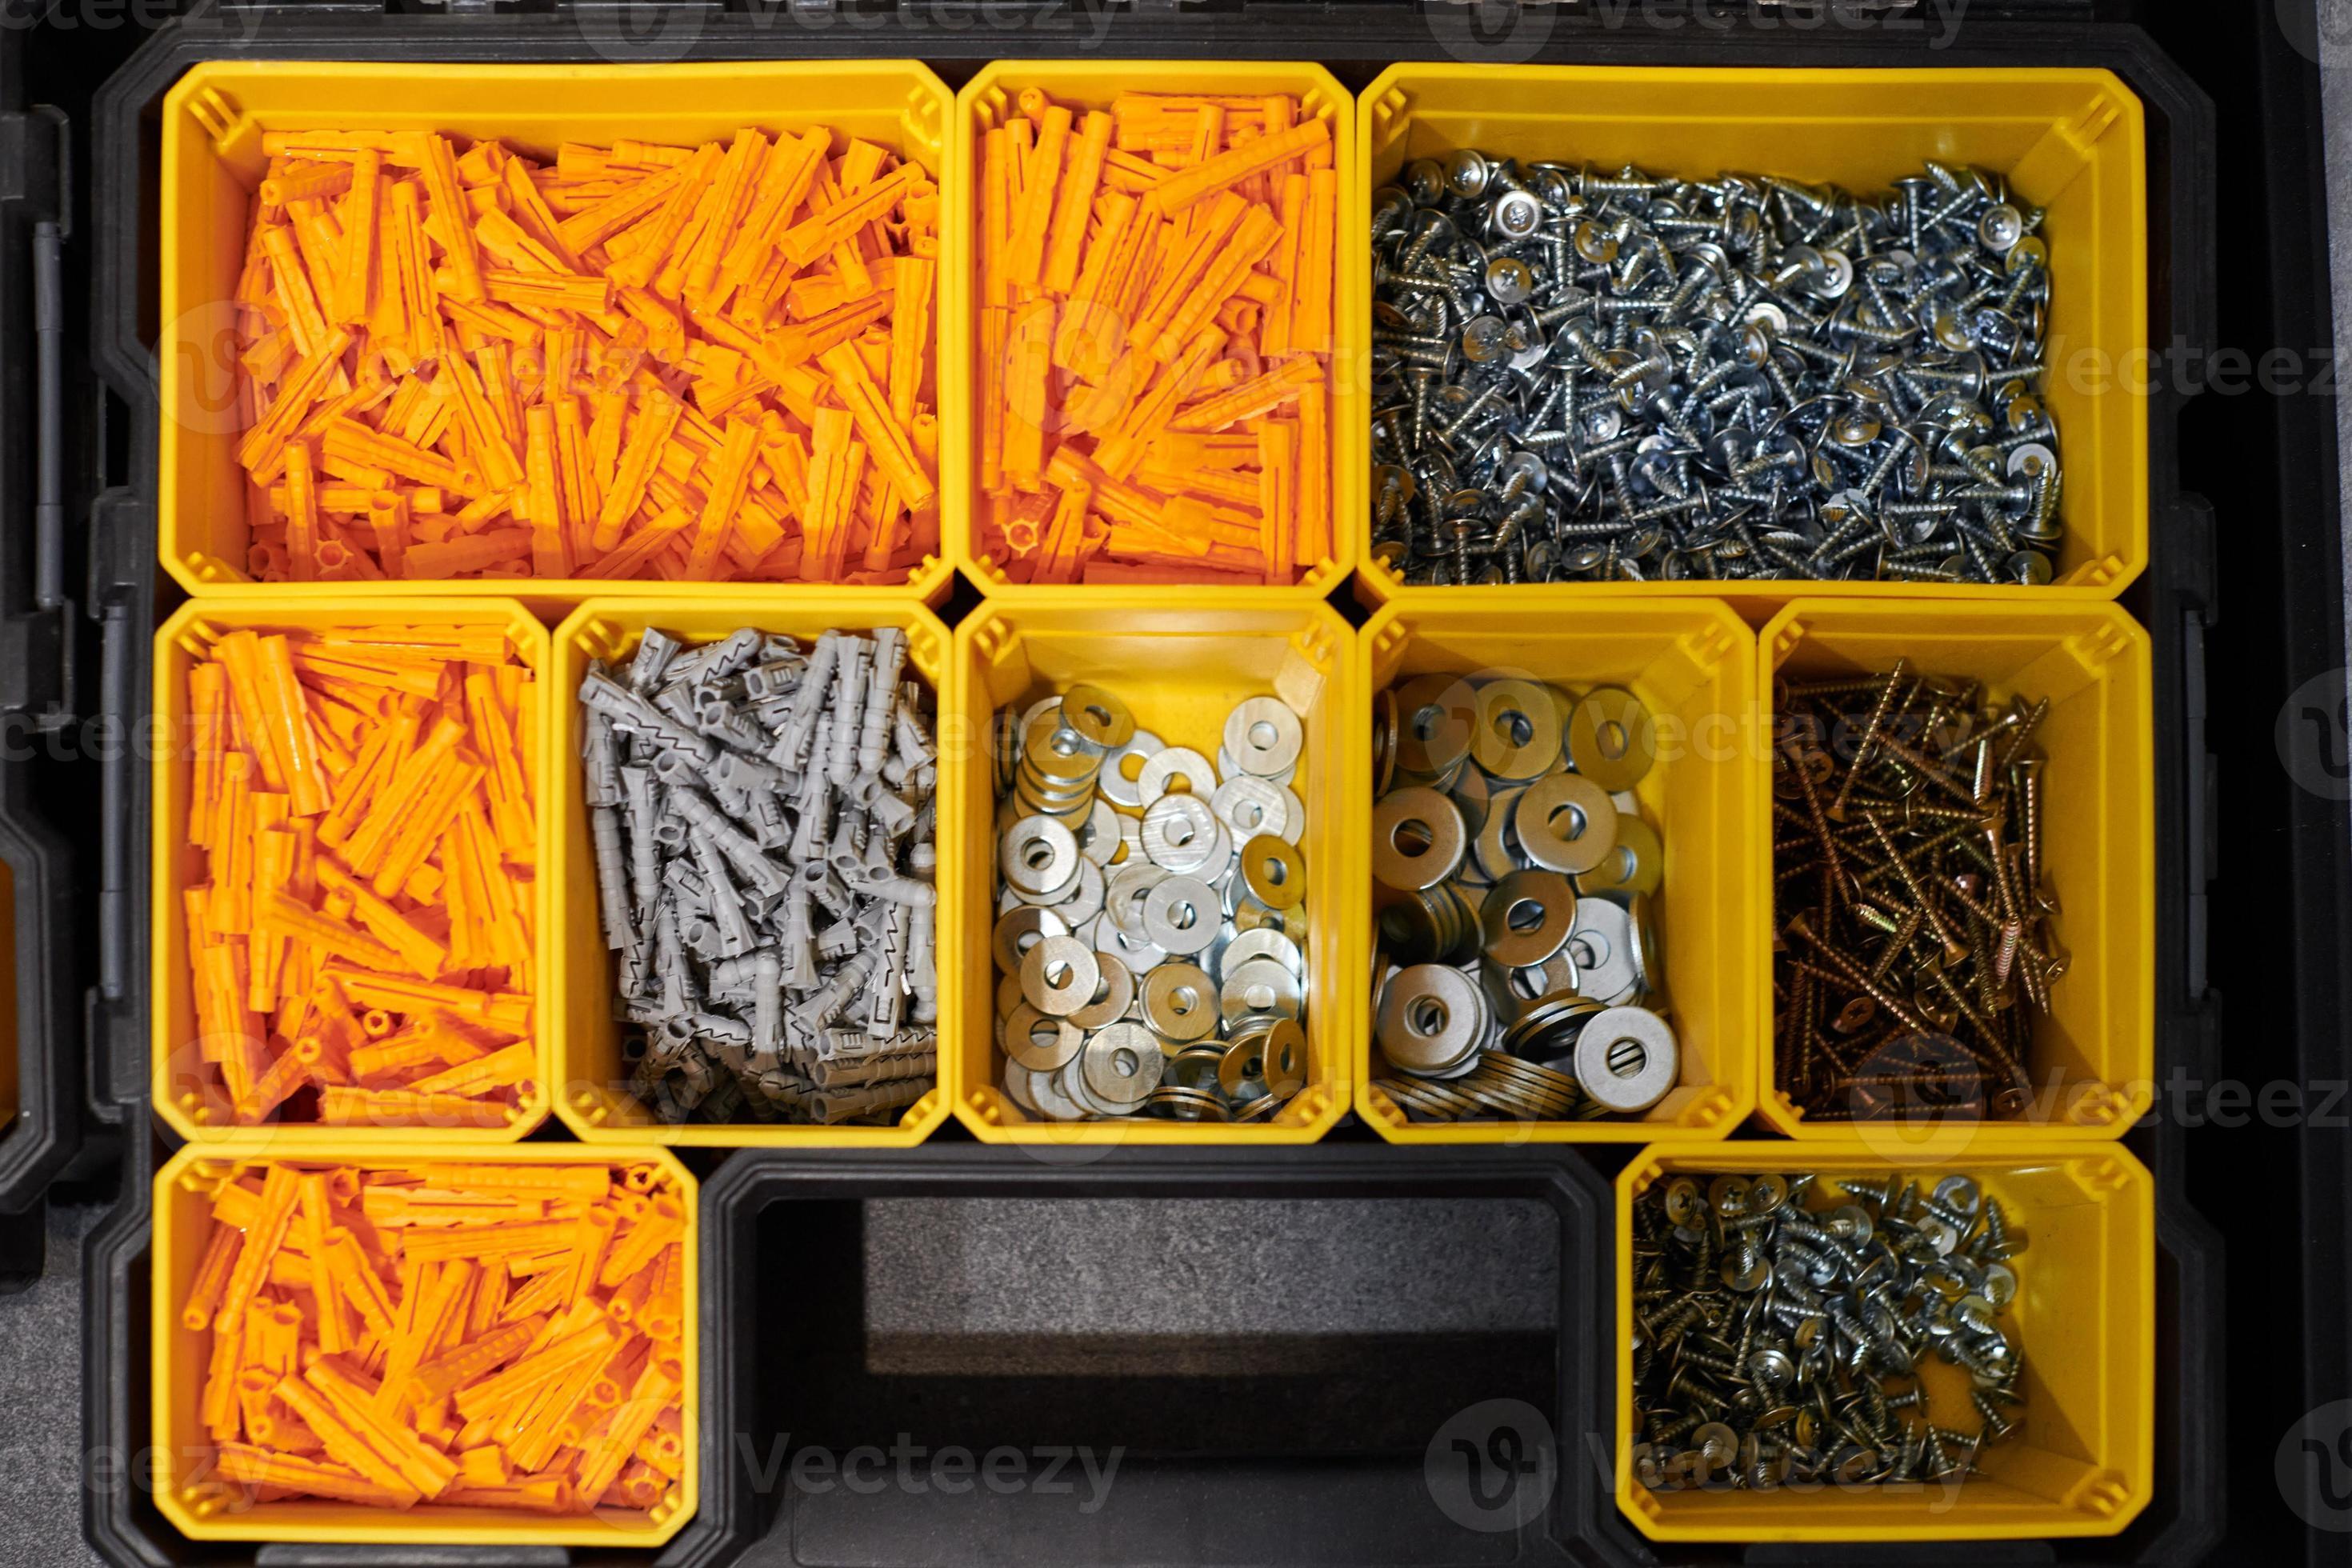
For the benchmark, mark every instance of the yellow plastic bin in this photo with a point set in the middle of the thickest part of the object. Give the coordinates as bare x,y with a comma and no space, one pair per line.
2073,142
1693,666
1180,671
2082,1460
2094,1059
214,121
987,100
184,1091
203,1507
592,1091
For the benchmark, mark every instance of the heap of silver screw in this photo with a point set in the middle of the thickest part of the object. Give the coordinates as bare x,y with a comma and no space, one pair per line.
763,816
1775,1341
1583,376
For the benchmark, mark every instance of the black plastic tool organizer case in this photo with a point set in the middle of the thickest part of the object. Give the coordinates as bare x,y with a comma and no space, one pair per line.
2252,899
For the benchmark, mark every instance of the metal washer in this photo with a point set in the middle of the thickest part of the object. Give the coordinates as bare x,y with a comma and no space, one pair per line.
1182,915
1506,941
1264,736
1431,1019
1018,858
1592,821
1074,962
1400,866
1122,1065
1250,806
1627,1059
1180,1003
1113,782
1172,762
1180,832
1017,929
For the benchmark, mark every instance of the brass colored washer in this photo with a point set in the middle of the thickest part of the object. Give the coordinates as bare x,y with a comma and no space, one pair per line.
1122,1065
1059,752
1263,1108
1241,1074
1612,740
1405,869
1276,872
1435,715
1555,901
1286,1058
1011,938
1180,1103
1518,731
1114,994
1384,741
1075,962
1179,1002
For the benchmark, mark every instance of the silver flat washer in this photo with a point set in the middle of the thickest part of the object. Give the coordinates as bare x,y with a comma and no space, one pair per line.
1172,762
1261,944
1180,832
1018,1088
1114,994
1085,899
1294,817
1250,806
1260,987
1139,955
1098,838
1019,930
1022,1043
1116,787
1627,1059
1036,711
1054,1095
1227,768
1124,891
1601,943
1182,915
1263,736
1122,1066
1039,857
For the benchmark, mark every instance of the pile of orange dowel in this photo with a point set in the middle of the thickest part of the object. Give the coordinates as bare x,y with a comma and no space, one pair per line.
1155,334
701,363
360,938
467,1335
